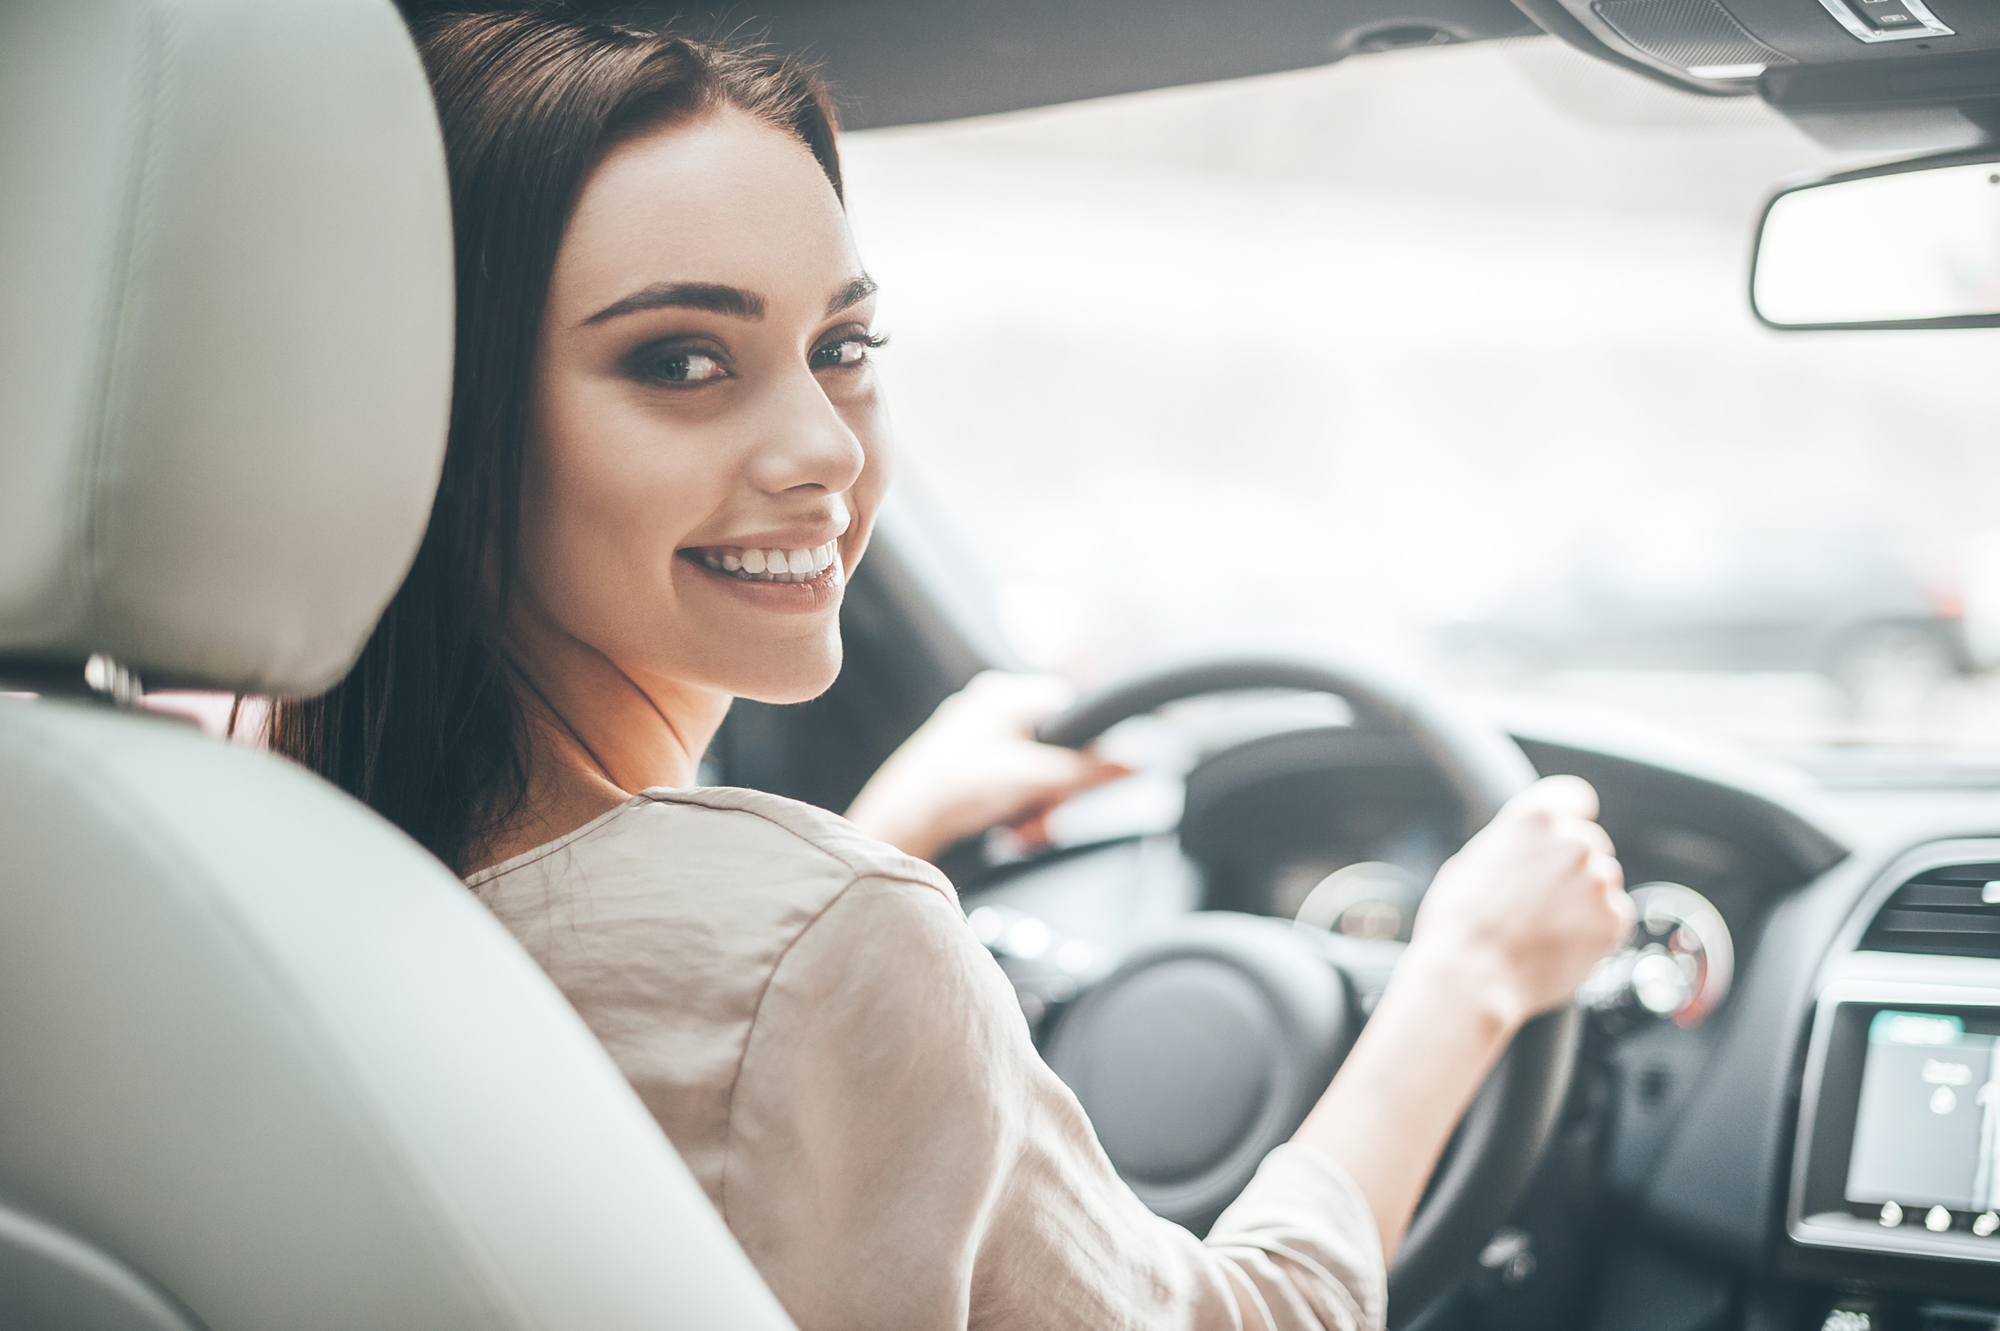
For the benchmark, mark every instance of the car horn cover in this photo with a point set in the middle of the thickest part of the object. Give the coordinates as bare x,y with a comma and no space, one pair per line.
1202,1052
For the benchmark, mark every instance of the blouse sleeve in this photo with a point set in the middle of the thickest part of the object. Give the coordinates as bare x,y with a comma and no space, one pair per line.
900,1157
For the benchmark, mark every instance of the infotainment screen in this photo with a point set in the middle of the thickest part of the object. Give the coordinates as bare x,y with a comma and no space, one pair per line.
1927,1125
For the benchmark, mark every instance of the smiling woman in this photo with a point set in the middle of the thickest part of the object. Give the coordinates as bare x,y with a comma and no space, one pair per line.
702,396
633,355
667,449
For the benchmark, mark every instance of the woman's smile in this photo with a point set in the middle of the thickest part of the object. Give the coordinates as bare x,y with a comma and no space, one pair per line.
757,564
803,580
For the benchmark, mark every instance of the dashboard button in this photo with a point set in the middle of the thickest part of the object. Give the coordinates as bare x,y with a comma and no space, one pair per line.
1885,15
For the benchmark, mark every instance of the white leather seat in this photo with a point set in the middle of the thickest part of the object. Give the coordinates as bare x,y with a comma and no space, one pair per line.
263,1063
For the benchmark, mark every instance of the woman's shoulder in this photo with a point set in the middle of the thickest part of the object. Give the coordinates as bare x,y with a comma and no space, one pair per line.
787,827
714,860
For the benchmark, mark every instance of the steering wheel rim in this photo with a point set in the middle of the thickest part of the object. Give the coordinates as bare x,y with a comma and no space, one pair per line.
1502,1136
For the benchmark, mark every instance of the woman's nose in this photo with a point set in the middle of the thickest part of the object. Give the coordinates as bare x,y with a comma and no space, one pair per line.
805,441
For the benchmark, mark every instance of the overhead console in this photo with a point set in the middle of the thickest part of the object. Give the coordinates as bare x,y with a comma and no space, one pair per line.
1891,75
1887,75
1898,1146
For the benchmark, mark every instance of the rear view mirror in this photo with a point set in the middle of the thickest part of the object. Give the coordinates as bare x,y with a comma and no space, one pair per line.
1909,245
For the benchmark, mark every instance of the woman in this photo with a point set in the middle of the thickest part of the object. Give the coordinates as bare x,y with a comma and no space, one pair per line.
667,449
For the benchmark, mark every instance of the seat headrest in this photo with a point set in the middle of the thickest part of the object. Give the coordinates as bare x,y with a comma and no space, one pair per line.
225,332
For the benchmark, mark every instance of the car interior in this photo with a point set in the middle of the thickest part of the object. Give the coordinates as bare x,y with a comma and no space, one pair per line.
265,1063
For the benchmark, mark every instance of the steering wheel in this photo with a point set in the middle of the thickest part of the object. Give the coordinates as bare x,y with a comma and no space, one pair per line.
1206,1048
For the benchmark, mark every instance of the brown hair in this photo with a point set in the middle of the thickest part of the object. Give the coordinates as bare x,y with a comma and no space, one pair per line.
427,726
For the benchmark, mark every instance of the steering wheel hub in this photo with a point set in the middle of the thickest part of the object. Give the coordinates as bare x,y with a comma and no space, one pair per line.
1202,1052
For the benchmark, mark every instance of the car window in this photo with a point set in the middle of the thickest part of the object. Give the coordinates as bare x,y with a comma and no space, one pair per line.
1444,356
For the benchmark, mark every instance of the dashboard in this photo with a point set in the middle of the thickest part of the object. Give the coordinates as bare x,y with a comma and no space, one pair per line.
1787,1110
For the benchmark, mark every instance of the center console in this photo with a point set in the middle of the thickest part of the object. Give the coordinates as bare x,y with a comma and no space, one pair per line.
1902,1121
1898,1148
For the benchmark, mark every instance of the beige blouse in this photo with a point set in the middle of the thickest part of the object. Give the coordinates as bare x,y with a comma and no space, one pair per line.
846,1071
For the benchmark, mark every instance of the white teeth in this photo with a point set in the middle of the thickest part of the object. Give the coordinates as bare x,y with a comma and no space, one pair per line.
777,565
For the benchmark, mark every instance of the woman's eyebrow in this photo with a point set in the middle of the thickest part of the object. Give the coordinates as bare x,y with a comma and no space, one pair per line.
710,296
860,289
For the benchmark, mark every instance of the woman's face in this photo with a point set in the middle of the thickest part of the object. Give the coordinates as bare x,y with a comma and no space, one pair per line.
709,443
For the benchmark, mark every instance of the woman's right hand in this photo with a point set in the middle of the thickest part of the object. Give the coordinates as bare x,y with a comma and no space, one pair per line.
1529,905
1509,928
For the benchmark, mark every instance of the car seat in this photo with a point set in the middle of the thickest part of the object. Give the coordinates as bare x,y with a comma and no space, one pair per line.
263,1062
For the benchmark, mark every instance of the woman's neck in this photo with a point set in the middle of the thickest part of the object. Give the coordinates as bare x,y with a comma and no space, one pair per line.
595,736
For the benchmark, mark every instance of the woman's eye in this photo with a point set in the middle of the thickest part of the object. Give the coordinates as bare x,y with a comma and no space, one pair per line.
679,365
847,352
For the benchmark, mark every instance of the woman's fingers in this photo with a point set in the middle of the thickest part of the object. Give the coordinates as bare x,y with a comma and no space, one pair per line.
1033,778
1533,901
975,764
1561,794
1595,840
1016,702
1624,916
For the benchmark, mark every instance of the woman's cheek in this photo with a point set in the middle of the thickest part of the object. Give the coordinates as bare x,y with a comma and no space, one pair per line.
611,514
871,427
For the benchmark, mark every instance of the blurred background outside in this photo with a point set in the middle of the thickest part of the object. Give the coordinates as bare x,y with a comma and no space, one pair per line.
1444,356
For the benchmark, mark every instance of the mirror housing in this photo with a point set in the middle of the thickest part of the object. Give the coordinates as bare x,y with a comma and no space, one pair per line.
1911,244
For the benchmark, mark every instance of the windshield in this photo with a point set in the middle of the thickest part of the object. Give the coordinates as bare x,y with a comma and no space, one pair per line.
1444,357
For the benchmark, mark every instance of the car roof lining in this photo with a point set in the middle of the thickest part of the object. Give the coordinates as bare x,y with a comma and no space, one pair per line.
903,62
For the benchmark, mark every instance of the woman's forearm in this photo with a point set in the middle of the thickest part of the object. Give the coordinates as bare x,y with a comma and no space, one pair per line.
1508,928
1435,1034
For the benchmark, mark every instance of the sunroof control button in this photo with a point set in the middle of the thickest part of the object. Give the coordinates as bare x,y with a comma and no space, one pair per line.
1885,15
1885,20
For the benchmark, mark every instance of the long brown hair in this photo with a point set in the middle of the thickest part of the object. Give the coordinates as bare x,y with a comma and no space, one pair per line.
427,728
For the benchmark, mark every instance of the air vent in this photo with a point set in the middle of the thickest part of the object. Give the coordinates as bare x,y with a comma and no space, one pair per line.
1953,911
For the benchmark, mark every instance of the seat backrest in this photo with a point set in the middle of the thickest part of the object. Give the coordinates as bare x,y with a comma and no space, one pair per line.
263,1062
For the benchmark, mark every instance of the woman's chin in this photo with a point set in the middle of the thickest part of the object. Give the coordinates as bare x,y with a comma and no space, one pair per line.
794,681
784,697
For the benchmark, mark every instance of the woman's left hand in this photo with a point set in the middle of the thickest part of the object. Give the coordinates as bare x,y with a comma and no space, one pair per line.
975,765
